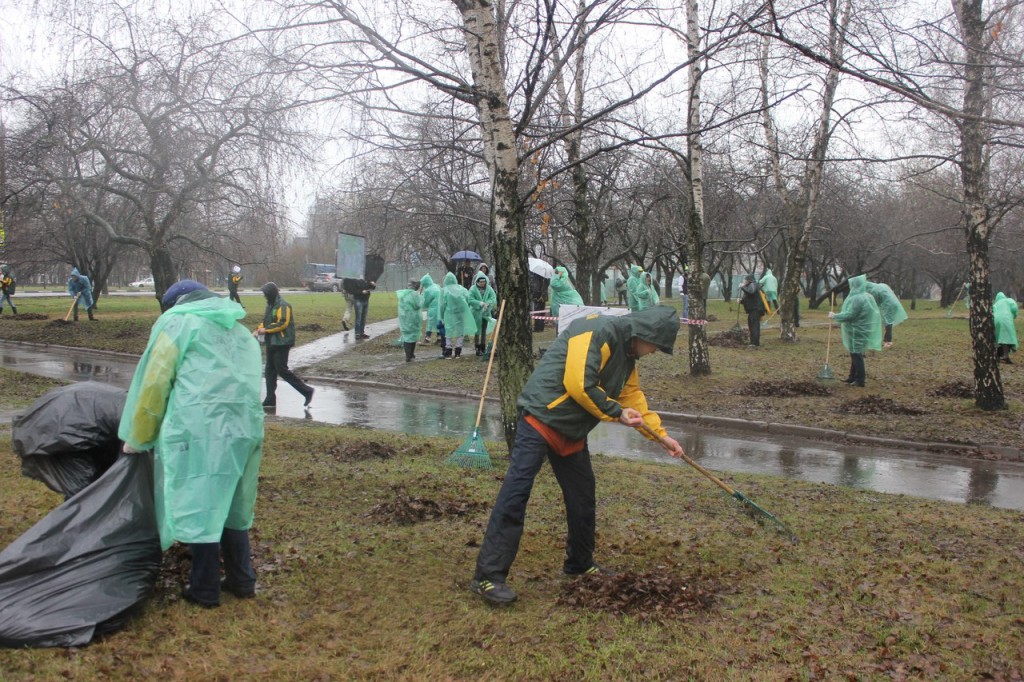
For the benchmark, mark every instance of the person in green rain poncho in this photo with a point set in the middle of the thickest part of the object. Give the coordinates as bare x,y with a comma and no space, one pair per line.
769,284
483,303
861,327
632,282
195,401
1004,310
889,307
561,291
430,294
456,316
409,318
644,293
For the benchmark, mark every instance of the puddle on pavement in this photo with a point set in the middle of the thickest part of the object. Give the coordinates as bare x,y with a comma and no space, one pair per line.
1000,484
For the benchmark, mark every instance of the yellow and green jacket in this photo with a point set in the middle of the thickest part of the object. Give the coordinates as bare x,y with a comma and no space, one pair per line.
589,373
233,281
278,323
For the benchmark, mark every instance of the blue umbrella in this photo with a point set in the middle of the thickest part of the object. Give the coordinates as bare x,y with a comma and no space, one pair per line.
466,255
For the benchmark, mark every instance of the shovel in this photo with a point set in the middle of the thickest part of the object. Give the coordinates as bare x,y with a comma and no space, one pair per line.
825,375
73,302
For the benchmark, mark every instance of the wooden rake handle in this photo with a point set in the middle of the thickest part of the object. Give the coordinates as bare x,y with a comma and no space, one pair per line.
686,458
72,307
831,309
490,362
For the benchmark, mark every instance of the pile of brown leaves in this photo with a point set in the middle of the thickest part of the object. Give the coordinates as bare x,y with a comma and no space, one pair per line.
359,451
645,596
870,404
25,317
312,327
406,510
953,389
734,338
787,388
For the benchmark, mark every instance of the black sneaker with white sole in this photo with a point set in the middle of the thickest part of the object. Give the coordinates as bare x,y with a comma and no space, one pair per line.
492,592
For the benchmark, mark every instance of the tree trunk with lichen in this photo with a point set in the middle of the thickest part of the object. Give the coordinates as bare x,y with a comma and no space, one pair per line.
697,341
515,343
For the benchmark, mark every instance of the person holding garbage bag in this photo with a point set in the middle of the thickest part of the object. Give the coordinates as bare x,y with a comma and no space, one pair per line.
587,376
195,401
456,315
861,327
561,291
1004,311
80,287
889,307
409,319
483,302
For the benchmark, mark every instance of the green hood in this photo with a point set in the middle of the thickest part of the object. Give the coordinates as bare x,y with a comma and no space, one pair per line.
999,297
635,270
426,281
858,284
449,279
207,304
658,325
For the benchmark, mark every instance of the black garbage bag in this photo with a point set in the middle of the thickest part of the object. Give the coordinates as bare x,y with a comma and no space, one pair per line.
68,437
86,567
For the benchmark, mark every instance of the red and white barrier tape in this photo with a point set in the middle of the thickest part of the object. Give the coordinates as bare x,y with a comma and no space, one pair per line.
686,320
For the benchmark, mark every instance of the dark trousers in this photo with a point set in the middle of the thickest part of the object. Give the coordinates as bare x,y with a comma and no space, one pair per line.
233,295
754,327
361,307
204,576
887,337
504,530
277,366
7,297
410,350
857,374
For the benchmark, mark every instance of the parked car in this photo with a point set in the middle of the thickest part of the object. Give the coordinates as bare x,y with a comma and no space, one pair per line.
142,283
325,281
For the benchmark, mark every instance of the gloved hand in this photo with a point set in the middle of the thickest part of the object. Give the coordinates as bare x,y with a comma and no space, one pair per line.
129,450
831,315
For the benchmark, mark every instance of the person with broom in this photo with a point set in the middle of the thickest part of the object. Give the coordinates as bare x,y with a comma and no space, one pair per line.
587,376
861,325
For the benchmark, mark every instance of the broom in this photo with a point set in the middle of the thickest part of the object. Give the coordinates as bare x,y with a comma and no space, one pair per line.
473,453
949,313
756,511
825,374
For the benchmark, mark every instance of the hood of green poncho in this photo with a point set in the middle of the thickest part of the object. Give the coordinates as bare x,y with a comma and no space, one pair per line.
658,325
858,284
209,305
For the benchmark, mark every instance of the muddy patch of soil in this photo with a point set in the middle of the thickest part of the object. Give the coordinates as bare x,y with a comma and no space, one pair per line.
645,596
874,405
953,389
405,509
734,338
360,451
311,327
786,388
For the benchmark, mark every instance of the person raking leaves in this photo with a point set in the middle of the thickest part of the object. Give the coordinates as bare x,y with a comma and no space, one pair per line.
587,376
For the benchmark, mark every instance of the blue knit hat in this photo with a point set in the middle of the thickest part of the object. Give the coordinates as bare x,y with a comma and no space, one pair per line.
179,289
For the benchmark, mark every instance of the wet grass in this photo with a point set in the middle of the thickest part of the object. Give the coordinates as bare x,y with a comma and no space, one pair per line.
123,322
353,586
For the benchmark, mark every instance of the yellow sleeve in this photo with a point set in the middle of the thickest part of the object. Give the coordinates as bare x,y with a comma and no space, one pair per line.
151,404
584,360
632,396
283,317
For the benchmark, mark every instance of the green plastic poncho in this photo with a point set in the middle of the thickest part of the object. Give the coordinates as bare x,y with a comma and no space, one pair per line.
431,295
889,305
644,293
561,290
861,322
454,309
409,317
632,282
195,401
1004,310
769,285
482,302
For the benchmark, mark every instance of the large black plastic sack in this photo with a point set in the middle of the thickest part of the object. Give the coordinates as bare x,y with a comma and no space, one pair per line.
86,567
68,437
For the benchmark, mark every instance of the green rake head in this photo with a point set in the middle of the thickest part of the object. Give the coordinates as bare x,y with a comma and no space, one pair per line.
764,517
472,454
825,375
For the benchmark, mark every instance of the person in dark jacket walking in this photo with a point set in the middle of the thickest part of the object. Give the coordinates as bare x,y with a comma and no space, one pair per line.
359,290
234,279
753,302
278,333
7,288
586,377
